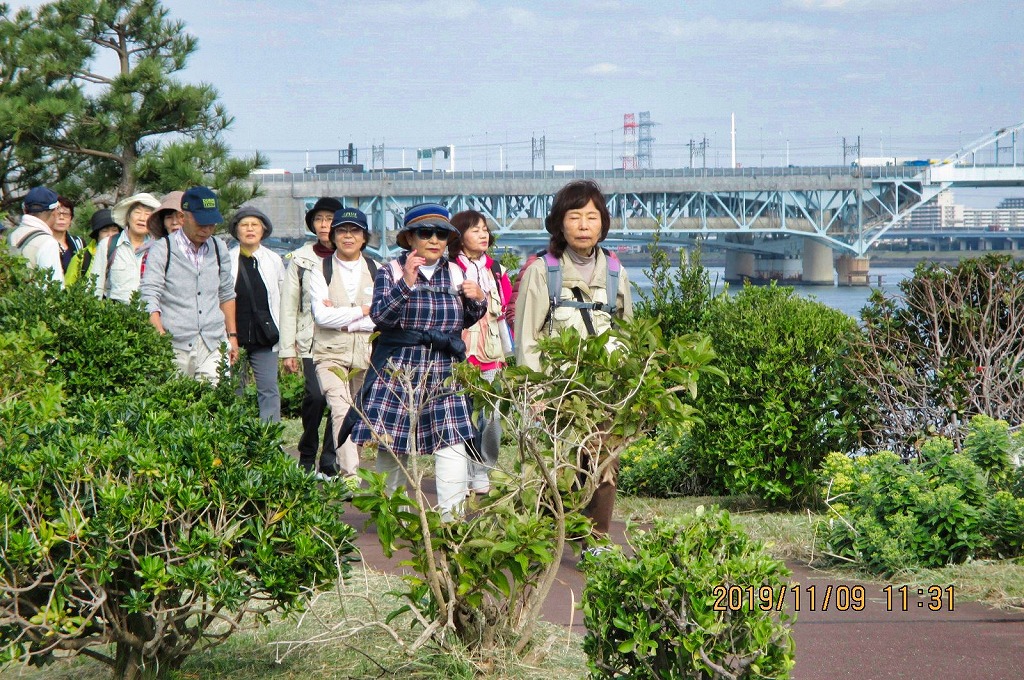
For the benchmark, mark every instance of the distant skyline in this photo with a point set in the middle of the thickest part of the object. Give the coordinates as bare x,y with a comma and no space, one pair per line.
913,78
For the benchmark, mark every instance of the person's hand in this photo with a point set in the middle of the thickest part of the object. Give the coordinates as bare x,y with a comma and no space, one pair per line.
366,310
233,350
472,289
328,303
291,365
157,321
412,268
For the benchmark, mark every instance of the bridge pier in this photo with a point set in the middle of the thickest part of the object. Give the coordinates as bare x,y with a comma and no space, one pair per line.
739,264
817,263
852,271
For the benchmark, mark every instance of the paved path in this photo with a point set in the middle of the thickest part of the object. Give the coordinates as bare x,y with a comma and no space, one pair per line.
972,642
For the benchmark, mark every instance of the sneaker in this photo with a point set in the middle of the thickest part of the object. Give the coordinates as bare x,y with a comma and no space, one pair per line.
589,554
596,550
321,477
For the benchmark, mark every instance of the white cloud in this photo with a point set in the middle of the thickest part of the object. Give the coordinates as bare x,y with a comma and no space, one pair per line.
822,4
603,69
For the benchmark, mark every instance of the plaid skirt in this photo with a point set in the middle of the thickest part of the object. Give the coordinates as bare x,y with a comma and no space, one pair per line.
389,405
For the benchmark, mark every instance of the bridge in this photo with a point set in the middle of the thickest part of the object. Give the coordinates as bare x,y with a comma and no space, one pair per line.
773,222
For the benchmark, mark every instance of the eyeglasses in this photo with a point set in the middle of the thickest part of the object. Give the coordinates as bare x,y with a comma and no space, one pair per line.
348,229
426,233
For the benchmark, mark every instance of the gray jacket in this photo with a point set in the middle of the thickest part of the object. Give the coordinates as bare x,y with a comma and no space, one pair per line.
188,299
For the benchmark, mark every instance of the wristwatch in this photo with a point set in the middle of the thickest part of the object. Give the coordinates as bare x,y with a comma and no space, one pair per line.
232,335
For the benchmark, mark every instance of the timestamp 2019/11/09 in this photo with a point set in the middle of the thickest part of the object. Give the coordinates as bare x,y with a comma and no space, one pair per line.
830,598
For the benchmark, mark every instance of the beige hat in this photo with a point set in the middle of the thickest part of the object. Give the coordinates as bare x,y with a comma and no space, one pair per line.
171,203
120,211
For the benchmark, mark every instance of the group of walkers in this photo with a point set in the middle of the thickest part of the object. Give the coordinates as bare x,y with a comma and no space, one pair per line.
444,300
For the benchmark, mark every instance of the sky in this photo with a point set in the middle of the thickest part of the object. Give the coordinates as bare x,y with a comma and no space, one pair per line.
911,78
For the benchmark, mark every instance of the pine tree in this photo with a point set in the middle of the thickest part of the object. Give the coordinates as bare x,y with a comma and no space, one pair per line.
136,126
35,94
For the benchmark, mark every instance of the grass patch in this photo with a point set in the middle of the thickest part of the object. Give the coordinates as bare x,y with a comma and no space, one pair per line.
786,535
790,536
336,638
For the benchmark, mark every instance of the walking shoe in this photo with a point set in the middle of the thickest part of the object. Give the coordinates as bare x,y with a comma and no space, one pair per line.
588,555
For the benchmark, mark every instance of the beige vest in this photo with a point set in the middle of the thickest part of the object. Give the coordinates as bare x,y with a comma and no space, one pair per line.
348,349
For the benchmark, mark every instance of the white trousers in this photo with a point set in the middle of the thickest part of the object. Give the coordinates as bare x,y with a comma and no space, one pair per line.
199,362
451,472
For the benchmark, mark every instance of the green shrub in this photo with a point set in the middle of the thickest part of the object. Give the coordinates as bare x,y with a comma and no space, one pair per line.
96,347
788,399
293,389
655,615
150,521
889,515
679,297
662,467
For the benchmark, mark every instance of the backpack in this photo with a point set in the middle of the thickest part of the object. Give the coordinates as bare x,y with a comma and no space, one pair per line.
554,267
329,268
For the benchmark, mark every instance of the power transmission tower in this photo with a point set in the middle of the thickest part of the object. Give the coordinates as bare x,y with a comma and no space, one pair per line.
538,152
699,149
629,141
852,148
644,158
378,155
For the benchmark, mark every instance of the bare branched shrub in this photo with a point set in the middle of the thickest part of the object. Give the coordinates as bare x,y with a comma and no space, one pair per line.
950,347
479,582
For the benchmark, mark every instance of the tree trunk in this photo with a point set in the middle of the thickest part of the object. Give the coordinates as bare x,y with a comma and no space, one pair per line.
130,665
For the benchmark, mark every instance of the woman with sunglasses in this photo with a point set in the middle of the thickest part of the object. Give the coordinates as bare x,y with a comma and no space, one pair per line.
421,304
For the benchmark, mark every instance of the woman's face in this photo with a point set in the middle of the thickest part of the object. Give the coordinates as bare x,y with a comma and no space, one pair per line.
349,240
250,232
429,242
322,225
138,220
106,232
476,240
582,228
62,221
173,220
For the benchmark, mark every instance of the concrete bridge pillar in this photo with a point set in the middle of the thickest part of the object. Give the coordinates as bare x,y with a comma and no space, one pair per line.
817,264
852,271
738,264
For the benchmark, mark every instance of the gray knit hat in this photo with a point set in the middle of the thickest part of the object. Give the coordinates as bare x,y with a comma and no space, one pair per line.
250,211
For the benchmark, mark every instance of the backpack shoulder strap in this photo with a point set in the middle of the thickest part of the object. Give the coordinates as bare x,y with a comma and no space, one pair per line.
111,251
328,268
554,267
456,273
216,249
167,264
614,270
371,264
28,238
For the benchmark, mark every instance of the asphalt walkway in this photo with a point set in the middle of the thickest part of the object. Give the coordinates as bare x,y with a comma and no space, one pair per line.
885,640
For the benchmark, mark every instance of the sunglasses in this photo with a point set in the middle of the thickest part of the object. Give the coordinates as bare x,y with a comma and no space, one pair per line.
426,233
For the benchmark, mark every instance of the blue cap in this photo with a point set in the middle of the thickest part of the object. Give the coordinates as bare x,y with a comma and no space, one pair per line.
350,216
203,204
40,199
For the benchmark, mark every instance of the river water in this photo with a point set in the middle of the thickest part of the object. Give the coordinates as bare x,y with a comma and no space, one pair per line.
848,299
